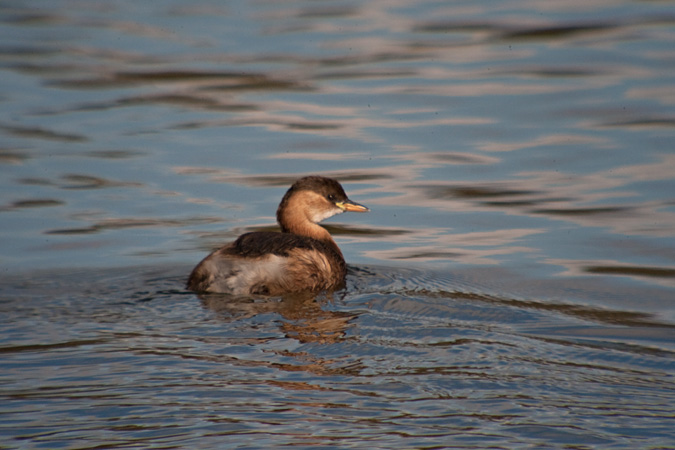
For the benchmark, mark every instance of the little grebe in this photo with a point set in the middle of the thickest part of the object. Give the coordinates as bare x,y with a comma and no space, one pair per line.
303,257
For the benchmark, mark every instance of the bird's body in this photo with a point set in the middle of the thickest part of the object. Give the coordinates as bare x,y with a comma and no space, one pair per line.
303,257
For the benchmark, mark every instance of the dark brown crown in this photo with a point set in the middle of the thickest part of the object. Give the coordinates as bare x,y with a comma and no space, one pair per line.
320,185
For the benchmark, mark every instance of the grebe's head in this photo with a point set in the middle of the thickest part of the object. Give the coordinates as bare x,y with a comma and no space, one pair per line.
314,199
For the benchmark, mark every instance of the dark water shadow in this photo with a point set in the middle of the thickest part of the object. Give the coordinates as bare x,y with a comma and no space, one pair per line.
441,298
427,284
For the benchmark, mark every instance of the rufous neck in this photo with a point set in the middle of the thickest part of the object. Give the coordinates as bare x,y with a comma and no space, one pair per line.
293,221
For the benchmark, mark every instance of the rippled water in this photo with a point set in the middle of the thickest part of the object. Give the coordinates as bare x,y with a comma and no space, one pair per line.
513,286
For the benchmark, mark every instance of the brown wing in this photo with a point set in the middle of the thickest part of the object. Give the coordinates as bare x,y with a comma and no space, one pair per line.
260,243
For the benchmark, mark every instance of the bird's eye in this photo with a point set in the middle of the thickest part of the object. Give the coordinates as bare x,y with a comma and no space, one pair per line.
330,197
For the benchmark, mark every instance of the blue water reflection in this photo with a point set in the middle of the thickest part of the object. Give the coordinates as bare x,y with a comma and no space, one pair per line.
517,268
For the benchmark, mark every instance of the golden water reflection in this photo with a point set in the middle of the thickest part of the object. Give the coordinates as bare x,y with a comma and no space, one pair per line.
304,317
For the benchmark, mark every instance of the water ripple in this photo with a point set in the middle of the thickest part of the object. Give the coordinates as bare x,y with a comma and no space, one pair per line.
511,288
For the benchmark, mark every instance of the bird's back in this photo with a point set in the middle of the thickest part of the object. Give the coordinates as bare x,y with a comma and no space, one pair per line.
270,263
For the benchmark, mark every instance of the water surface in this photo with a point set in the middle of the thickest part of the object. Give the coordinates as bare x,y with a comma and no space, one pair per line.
513,286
